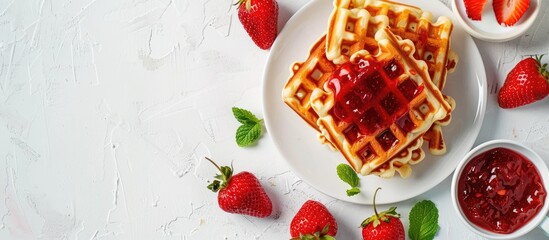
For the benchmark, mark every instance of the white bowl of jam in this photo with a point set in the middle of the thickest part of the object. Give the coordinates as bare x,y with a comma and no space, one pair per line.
499,190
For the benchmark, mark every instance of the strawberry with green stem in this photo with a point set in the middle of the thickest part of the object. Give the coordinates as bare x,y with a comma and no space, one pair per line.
313,221
526,83
385,225
240,193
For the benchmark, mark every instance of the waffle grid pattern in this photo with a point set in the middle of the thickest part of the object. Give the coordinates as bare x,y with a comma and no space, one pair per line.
368,149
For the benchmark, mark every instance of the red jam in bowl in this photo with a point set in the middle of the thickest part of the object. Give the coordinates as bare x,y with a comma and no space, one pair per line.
500,190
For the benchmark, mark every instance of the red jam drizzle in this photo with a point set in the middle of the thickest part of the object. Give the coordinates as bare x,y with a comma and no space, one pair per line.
368,95
500,190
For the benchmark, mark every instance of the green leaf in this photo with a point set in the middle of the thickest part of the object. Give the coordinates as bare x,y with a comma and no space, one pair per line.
244,116
347,174
326,237
250,130
214,186
226,172
248,5
423,221
248,134
353,191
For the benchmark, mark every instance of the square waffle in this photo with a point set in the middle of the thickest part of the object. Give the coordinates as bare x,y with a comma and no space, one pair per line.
377,106
353,24
305,77
313,74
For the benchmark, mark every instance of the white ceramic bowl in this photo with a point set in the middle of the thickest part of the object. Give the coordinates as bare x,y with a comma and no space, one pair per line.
539,220
488,28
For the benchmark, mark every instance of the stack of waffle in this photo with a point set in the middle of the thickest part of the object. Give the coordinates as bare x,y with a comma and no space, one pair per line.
379,113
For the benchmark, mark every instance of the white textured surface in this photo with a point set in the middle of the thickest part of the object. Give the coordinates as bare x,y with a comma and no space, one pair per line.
108,107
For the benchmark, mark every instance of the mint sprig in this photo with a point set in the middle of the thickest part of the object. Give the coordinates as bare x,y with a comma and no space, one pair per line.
423,221
348,175
250,131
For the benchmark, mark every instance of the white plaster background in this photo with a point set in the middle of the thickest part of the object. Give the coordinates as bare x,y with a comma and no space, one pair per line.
108,107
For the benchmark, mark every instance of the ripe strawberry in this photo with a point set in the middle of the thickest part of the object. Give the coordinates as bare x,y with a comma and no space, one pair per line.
474,8
508,12
383,226
241,193
313,221
259,18
526,83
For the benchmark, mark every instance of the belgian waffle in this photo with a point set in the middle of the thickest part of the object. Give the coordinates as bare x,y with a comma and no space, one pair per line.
307,76
375,115
313,74
353,24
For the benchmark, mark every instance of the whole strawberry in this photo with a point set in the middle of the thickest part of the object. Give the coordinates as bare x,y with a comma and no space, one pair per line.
526,83
383,226
241,193
259,18
313,221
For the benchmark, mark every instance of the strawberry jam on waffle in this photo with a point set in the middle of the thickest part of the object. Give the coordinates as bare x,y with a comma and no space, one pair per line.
369,95
376,106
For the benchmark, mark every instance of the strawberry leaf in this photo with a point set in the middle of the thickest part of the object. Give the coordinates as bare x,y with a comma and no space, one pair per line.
423,221
214,186
248,5
327,238
223,178
226,174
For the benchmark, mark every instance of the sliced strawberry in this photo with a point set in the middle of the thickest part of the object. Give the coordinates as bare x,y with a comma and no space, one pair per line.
509,12
474,8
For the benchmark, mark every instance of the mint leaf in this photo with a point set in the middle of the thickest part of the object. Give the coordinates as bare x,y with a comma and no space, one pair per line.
353,191
423,221
244,116
248,134
348,175
250,131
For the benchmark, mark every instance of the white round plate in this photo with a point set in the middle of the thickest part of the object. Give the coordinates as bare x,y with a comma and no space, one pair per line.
488,28
316,163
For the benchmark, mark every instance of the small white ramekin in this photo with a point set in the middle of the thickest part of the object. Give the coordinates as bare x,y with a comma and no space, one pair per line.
488,28
540,220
